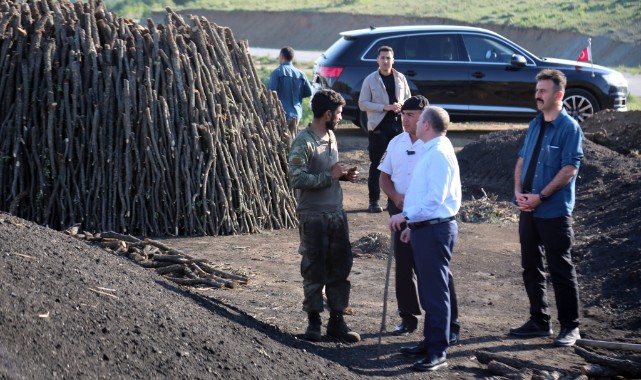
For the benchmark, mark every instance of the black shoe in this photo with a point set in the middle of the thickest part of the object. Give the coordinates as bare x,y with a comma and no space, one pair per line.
414,351
374,208
313,332
337,328
403,329
532,328
430,363
567,337
454,338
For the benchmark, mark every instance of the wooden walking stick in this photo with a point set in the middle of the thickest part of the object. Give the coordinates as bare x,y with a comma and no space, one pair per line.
390,256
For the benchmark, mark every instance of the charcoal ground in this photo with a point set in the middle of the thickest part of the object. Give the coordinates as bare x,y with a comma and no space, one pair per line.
71,310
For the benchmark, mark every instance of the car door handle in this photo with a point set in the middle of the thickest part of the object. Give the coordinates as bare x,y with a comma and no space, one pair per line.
478,75
410,73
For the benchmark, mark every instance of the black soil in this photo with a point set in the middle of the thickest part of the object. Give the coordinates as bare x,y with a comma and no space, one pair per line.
71,310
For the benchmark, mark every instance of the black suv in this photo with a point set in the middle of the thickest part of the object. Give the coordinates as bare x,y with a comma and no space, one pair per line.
473,73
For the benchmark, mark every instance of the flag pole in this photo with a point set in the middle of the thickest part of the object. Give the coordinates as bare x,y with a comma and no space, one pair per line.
590,55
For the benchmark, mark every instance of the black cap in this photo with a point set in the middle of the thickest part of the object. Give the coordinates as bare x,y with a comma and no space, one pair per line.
416,102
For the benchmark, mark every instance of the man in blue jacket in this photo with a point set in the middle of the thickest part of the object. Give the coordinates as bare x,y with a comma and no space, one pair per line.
544,183
292,86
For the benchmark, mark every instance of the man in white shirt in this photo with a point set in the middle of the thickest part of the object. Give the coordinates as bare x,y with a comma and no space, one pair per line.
431,203
403,152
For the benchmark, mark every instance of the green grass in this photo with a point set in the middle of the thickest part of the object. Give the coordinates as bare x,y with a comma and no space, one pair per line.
629,70
634,103
618,18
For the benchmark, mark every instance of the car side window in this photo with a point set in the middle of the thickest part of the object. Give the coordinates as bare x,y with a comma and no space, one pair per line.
397,44
484,49
431,47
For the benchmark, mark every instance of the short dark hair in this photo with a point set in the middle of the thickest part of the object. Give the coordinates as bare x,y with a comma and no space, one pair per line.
287,52
326,100
438,118
385,48
559,79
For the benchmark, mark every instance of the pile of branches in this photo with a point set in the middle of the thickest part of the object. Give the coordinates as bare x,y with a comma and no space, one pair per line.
374,243
171,263
598,364
487,209
152,131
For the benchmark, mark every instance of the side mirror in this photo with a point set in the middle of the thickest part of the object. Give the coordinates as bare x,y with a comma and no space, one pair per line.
518,60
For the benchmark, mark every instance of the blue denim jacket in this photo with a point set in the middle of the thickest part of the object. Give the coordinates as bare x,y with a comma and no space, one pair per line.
292,86
561,146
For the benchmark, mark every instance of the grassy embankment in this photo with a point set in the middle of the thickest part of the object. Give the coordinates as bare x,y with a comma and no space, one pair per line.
620,18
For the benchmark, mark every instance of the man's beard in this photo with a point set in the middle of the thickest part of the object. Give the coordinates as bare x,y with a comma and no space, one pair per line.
331,125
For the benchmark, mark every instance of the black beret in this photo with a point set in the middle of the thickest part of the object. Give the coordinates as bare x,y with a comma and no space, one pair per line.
416,102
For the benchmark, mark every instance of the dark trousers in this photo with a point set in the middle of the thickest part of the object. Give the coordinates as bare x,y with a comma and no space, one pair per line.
326,260
378,140
407,296
433,247
552,239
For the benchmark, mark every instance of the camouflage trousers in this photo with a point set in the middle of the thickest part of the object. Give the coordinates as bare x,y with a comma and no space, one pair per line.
326,260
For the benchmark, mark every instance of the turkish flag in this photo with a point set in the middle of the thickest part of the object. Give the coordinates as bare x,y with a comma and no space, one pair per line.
585,55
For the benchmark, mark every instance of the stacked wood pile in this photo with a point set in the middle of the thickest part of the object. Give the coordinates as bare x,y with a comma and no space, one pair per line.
173,264
156,130
599,364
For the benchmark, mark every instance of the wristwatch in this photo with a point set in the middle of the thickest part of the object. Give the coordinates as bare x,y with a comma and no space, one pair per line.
543,197
405,215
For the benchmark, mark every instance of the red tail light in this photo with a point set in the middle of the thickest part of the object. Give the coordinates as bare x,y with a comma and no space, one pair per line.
330,72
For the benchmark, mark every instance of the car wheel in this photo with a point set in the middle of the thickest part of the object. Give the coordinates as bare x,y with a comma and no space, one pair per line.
580,104
362,120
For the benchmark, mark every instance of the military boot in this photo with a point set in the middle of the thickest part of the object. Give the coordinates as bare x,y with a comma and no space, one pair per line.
337,328
313,332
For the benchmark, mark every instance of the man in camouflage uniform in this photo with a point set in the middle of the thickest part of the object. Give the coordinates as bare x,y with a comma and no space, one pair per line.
314,173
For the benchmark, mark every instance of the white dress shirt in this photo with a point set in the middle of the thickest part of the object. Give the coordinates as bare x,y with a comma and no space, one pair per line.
435,188
400,159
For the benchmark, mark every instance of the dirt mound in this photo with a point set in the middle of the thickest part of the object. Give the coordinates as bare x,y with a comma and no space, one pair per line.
620,131
69,310
607,225
80,312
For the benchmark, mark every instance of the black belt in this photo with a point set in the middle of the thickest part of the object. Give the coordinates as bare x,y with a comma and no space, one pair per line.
430,222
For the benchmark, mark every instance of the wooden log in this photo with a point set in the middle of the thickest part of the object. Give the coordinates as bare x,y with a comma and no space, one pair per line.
176,259
176,268
123,237
610,345
623,366
596,370
209,269
197,281
485,357
500,369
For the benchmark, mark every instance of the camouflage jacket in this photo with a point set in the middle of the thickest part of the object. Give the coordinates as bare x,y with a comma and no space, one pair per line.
309,162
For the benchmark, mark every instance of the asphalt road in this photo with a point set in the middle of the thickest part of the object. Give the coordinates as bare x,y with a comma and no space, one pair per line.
634,81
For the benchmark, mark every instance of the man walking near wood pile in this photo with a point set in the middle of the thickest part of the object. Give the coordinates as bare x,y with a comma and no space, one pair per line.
314,173
292,86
